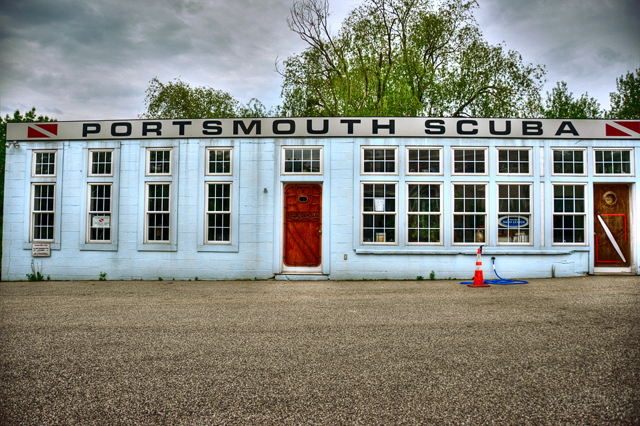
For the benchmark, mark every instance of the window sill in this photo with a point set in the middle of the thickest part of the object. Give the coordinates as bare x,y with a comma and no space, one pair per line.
99,247
472,251
157,247
220,248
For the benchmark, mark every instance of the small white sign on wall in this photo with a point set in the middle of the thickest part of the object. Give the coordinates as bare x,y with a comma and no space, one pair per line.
41,250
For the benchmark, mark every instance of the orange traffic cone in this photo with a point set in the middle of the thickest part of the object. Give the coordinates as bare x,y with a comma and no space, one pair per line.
478,278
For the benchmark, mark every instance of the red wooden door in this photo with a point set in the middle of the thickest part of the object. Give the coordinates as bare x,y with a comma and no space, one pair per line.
302,225
611,225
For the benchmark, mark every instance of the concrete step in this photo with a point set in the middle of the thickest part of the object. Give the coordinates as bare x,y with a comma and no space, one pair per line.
301,277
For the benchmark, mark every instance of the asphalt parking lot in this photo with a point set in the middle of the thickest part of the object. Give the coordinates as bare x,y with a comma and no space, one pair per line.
551,352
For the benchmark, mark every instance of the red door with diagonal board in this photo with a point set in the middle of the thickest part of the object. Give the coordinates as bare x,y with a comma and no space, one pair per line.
611,225
302,225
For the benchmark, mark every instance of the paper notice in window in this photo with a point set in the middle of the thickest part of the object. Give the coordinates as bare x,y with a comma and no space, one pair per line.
100,221
378,204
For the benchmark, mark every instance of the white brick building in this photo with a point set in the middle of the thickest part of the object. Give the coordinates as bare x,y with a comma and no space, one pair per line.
343,198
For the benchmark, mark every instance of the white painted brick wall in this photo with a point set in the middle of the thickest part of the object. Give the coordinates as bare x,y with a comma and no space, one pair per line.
259,219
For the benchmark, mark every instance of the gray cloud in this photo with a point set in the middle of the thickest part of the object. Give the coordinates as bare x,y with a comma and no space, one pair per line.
587,43
94,59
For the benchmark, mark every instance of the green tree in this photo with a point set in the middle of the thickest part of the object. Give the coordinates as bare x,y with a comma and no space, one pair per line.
29,116
177,99
561,104
403,58
625,103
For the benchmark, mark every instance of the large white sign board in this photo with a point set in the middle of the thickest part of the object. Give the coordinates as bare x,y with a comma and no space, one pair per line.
334,127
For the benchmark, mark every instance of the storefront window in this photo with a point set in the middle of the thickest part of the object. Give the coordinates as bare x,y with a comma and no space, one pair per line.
514,214
469,161
514,161
568,161
423,214
613,162
218,212
469,218
99,214
219,161
569,218
379,160
379,211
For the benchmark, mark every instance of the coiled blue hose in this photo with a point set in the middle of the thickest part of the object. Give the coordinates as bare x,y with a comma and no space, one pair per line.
500,281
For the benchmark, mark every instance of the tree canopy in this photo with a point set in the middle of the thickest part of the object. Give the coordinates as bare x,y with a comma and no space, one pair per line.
561,104
403,58
625,103
397,58
177,99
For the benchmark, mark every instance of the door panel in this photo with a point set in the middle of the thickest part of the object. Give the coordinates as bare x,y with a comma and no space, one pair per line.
611,225
302,225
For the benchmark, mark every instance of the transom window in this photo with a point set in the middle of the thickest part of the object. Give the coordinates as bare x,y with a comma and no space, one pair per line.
469,218
100,163
159,161
43,212
613,161
302,160
44,163
219,161
379,213
218,215
424,161
569,216
423,213
469,161
379,160
514,214
158,207
99,220
568,161
514,161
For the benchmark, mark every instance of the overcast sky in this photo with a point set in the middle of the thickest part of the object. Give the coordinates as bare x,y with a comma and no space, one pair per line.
93,59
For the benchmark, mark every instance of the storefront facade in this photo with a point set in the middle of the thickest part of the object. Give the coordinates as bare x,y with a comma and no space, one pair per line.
337,198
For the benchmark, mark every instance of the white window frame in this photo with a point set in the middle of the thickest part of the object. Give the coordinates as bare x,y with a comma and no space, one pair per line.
34,155
206,145
90,165
514,148
395,213
303,148
631,162
500,214
113,179
408,214
89,221
584,213
454,213
30,180
208,212
148,212
32,225
424,148
148,161
469,148
147,146
364,148
208,152
584,161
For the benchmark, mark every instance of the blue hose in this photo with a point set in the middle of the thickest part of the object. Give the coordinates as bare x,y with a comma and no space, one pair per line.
500,281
